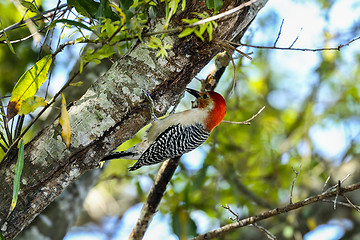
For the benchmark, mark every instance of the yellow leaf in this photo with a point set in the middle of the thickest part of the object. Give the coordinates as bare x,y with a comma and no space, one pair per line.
30,104
28,84
121,13
65,122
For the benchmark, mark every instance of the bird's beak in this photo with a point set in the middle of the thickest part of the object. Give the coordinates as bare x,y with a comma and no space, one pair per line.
193,92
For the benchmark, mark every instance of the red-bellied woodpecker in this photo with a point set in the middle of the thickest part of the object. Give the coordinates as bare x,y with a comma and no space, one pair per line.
178,133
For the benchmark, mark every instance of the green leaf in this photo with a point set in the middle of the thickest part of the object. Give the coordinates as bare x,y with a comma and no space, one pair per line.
209,30
18,170
1,236
105,52
186,32
81,65
87,8
77,84
28,84
30,6
190,21
120,13
162,53
30,104
7,39
199,35
214,4
109,26
104,10
125,4
202,29
183,5
71,23
154,42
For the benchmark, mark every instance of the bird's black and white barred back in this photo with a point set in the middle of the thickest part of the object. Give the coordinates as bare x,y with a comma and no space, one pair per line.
185,138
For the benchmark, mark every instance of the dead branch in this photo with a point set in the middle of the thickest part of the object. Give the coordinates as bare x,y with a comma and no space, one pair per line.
278,36
297,49
266,232
247,122
277,211
236,217
293,183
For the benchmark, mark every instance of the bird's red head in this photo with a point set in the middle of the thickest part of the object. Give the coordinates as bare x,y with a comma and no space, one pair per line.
214,103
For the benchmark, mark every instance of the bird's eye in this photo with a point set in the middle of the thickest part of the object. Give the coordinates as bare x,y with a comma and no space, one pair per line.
205,96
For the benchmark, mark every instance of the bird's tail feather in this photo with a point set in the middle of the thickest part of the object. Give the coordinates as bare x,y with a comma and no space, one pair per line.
137,165
116,155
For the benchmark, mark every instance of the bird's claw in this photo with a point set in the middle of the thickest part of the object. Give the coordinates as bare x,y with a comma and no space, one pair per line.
148,97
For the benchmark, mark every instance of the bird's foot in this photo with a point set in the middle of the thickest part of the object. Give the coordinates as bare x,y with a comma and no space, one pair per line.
148,97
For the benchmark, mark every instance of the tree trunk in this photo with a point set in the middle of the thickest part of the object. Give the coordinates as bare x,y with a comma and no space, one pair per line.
111,112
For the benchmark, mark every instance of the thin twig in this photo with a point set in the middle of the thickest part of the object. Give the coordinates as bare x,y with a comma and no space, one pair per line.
30,24
3,147
266,232
5,121
237,217
57,46
336,185
247,122
224,14
20,40
357,208
3,138
48,30
234,79
340,203
293,183
337,193
326,182
227,45
297,49
279,33
297,37
35,18
19,125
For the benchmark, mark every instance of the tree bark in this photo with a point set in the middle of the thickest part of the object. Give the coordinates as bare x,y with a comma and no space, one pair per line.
111,112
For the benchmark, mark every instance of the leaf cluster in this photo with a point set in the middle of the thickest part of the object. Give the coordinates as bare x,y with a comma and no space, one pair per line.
199,30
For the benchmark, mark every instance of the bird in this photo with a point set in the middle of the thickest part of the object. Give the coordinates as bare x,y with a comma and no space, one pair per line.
177,133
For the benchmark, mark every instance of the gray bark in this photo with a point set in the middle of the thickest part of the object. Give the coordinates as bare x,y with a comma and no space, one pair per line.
109,113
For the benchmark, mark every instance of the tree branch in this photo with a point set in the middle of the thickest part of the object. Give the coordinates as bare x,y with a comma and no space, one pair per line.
297,49
277,211
293,183
156,193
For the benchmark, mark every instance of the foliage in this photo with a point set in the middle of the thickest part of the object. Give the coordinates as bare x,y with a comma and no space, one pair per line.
155,43
200,29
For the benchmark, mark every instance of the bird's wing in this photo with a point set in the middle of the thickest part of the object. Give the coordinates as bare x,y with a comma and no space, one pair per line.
173,142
